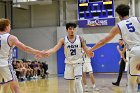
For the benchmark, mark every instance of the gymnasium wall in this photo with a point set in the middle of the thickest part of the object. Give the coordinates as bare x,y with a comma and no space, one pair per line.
38,38
2,10
37,16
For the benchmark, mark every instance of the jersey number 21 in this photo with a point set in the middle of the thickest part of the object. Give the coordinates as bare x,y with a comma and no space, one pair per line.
73,51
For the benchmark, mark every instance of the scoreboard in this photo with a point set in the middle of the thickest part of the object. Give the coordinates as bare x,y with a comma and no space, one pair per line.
93,13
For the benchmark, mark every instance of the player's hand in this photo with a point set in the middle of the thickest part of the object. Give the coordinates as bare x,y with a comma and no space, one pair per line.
40,55
138,66
125,60
90,53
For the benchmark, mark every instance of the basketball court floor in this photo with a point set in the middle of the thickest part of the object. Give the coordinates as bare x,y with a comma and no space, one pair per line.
54,84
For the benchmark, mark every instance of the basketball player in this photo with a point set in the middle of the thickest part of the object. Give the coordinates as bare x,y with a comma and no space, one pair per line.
87,68
73,45
7,42
129,29
122,52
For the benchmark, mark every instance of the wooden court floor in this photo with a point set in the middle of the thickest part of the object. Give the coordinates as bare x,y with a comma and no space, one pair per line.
54,84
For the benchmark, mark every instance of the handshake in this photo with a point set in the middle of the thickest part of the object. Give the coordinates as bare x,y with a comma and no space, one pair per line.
47,53
42,54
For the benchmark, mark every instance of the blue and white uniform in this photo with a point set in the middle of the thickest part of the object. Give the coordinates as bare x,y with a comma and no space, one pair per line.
87,63
6,69
73,57
130,30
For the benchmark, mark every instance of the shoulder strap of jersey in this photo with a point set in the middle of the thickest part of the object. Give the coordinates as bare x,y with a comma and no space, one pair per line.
65,39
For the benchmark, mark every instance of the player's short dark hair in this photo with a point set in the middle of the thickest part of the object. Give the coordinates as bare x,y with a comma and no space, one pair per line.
70,25
122,10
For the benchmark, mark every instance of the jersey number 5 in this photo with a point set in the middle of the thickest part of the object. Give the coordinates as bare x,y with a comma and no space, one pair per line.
130,27
73,51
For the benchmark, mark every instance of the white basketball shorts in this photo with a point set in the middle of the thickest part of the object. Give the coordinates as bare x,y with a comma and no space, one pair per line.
134,59
7,74
87,67
73,70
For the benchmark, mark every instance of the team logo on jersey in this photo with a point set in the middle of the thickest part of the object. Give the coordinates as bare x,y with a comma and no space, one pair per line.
72,46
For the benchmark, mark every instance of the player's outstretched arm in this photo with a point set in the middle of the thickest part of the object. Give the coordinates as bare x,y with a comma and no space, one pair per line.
55,48
85,47
13,41
123,52
114,31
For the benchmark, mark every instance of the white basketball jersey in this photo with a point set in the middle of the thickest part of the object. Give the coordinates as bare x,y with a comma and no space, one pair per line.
86,58
73,50
130,30
5,50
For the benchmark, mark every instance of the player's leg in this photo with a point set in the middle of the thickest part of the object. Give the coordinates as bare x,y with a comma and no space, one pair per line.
138,82
1,83
69,75
78,77
84,78
92,78
78,84
131,88
90,70
132,71
131,76
15,86
10,77
12,90
121,70
85,87
71,86
6,88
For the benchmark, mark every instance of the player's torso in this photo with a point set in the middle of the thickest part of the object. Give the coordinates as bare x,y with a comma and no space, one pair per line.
73,50
130,30
5,50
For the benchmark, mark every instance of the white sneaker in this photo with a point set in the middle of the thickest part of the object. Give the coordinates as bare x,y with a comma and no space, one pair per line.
86,89
36,77
95,88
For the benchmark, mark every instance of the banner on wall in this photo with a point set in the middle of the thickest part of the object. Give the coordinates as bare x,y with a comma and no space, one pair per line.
93,13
